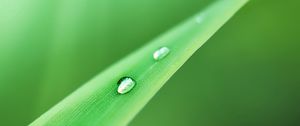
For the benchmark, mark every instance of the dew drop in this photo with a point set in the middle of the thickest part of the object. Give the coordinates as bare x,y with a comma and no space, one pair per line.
199,19
125,85
161,53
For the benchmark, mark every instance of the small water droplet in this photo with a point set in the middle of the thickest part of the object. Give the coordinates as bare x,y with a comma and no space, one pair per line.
125,85
199,19
161,53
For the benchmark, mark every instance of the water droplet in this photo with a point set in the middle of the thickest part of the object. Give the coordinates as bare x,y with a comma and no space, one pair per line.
125,85
161,53
199,19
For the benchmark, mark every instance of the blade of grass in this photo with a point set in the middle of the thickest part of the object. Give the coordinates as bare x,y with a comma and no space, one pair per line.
98,103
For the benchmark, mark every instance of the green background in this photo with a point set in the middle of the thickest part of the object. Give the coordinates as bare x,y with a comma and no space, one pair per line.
248,73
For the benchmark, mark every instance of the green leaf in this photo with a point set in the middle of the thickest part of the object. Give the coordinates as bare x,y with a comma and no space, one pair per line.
98,102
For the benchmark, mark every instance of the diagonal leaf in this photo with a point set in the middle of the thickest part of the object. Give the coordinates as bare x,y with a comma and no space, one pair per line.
98,102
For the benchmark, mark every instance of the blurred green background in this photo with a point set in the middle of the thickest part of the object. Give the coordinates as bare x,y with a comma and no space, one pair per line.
247,74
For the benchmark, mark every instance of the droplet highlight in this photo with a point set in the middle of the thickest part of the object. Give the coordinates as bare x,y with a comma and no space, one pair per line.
161,53
126,84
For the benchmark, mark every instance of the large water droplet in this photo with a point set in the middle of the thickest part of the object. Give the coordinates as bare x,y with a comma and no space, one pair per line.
125,85
161,53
